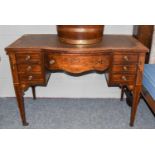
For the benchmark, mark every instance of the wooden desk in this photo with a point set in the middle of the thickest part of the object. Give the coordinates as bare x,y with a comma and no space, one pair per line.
34,57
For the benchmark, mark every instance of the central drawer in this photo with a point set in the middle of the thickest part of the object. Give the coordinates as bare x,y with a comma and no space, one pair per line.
77,63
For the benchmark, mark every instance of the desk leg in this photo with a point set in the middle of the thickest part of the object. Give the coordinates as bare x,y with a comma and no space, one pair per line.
34,92
21,107
122,93
136,97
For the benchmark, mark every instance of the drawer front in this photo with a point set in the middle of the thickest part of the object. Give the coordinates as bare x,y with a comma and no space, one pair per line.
28,58
76,63
122,79
31,78
29,68
128,58
131,69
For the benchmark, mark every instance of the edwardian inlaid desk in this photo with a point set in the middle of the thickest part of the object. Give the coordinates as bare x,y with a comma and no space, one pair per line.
34,57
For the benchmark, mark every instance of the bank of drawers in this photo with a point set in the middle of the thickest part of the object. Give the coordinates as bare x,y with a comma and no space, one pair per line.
30,67
124,68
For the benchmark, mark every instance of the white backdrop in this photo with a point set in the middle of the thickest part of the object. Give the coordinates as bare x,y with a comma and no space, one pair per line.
60,85
152,55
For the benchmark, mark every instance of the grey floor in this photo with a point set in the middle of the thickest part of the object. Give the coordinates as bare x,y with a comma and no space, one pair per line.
74,114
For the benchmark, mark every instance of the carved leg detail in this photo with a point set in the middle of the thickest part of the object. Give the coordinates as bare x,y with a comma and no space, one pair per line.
136,97
33,92
21,107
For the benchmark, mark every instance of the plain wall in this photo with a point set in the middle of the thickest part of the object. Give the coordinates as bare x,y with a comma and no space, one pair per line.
60,85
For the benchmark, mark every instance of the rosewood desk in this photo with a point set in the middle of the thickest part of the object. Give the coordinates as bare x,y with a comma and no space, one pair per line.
34,57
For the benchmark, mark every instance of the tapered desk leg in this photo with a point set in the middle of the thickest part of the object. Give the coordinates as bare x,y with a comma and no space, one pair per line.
136,97
122,93
34,92
21,107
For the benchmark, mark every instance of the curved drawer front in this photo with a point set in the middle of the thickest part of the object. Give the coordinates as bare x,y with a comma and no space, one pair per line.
77,63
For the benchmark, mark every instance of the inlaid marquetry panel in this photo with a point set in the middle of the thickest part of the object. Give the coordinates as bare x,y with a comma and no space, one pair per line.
76,63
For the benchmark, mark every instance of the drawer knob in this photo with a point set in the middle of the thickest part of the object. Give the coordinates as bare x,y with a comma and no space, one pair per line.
28,57
52,62
125,68
30,78
29,68
126,58
124,78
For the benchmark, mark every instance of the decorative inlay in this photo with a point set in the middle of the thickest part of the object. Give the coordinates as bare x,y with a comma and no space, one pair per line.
75,63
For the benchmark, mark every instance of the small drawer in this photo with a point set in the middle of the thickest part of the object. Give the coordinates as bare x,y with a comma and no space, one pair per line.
29,68
31,78
125,58
122,79
28,58
124,68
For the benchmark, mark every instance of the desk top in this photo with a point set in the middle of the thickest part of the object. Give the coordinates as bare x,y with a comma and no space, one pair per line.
51,42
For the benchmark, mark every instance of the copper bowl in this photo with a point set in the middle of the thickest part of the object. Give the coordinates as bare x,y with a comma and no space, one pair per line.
80,34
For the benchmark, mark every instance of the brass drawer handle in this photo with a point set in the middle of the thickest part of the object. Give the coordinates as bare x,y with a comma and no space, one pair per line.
125,68
29,68
124,78
52,62
30,77
28,58
126,58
